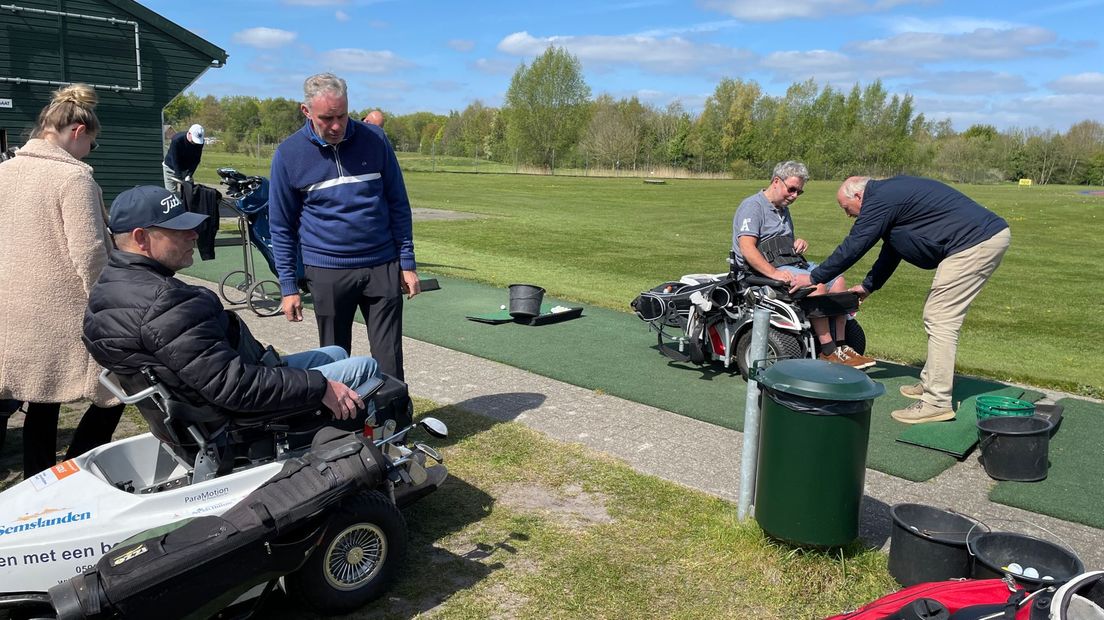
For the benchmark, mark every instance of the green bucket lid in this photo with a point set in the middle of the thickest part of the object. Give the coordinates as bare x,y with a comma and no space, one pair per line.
819,379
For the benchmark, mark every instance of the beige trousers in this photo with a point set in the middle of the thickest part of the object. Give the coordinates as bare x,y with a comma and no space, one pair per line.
958,280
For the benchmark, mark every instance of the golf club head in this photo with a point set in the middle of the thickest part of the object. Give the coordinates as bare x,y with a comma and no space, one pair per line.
434,427
430,452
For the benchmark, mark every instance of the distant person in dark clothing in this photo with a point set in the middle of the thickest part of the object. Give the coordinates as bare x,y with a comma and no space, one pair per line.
182,160
932,226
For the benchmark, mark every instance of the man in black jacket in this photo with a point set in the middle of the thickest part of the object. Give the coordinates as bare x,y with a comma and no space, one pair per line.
932,226
140,316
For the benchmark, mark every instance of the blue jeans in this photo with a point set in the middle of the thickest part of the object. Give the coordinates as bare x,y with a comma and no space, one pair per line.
335,364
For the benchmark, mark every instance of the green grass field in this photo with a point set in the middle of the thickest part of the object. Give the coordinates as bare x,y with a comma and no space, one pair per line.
603,240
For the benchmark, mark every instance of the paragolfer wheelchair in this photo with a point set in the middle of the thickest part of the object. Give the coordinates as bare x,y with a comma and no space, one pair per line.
707,318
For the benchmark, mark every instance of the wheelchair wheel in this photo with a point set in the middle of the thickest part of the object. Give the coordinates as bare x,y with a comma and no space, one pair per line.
357,559
854,336
234,287
779,344
264,298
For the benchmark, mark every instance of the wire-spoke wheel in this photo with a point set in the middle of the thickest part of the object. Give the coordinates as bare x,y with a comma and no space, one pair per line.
355,556
357,559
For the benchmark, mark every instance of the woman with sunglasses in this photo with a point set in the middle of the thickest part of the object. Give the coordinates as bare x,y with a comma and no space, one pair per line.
55,246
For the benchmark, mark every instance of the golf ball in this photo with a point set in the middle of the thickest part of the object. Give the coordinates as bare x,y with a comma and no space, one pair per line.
1031,572
502,307
1016,569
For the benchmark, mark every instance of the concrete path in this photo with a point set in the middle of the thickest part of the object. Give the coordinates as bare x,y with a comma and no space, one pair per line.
673,447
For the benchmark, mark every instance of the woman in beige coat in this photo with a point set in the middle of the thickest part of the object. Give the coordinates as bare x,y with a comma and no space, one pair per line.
55,246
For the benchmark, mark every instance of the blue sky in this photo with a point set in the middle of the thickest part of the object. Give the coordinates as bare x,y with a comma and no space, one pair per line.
1007,63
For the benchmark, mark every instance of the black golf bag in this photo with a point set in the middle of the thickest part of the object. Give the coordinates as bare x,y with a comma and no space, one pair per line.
195,567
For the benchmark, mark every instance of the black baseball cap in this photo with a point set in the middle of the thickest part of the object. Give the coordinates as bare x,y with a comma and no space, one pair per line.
147,206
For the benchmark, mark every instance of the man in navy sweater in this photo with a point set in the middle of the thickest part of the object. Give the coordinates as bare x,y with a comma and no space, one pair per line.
337,197
932,226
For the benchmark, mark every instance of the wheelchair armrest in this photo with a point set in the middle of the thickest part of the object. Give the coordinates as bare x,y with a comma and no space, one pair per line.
754,279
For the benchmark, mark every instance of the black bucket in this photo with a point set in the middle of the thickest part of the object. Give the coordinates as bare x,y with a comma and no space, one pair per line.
525,300
1015,447
994,551
928,544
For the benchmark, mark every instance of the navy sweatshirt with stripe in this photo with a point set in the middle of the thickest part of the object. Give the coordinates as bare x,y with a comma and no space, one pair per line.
918,220
344,205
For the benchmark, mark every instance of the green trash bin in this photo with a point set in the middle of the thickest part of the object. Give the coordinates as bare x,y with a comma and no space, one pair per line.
812,450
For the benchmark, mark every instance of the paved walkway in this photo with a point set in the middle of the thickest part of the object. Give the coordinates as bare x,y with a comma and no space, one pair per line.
673,447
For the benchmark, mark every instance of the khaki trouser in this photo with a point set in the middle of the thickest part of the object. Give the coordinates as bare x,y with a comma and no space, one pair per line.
172,182
958,280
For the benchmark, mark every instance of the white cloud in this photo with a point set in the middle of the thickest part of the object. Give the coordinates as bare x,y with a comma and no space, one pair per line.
970,83
362,61
462,45
342,16
264,38
662,55
691,29
1091,83
980,44
760,11
1057,112
826,67
945,25
494,66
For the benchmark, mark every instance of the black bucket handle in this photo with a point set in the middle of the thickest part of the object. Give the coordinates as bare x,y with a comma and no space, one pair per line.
1035,525
976,522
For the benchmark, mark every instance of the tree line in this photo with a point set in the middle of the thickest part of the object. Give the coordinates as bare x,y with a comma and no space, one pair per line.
549,120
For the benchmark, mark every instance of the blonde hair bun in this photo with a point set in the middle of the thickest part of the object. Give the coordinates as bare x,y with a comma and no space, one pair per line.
80,94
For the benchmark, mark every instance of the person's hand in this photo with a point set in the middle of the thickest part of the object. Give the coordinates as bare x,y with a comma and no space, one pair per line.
411,285
342,400
800,280
292,306
859,290
785,276
800,245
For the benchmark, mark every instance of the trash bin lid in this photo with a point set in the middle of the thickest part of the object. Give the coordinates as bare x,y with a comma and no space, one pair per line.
819,379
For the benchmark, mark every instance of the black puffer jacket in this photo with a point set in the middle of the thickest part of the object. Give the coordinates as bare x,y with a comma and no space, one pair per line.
140,316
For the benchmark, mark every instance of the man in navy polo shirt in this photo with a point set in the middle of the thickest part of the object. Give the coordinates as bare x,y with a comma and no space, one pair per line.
932,226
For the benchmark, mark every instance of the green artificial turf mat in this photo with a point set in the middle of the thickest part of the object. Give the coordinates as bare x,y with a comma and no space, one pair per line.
1074,486
956,437
615,353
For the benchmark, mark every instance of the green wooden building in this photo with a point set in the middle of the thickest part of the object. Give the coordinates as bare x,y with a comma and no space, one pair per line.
135,59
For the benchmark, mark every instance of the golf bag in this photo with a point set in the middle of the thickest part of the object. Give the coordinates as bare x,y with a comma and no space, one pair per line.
195,567
958,599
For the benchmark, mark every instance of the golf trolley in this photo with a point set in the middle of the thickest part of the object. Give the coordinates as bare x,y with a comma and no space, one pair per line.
249,199
707,318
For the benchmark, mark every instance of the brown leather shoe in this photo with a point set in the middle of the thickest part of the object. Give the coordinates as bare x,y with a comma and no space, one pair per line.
921,412
839,357
863,361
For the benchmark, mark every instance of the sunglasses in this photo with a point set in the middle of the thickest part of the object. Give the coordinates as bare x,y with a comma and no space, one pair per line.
790,189
93,145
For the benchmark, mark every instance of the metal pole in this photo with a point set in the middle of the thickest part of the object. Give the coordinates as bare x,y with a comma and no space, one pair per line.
750,456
